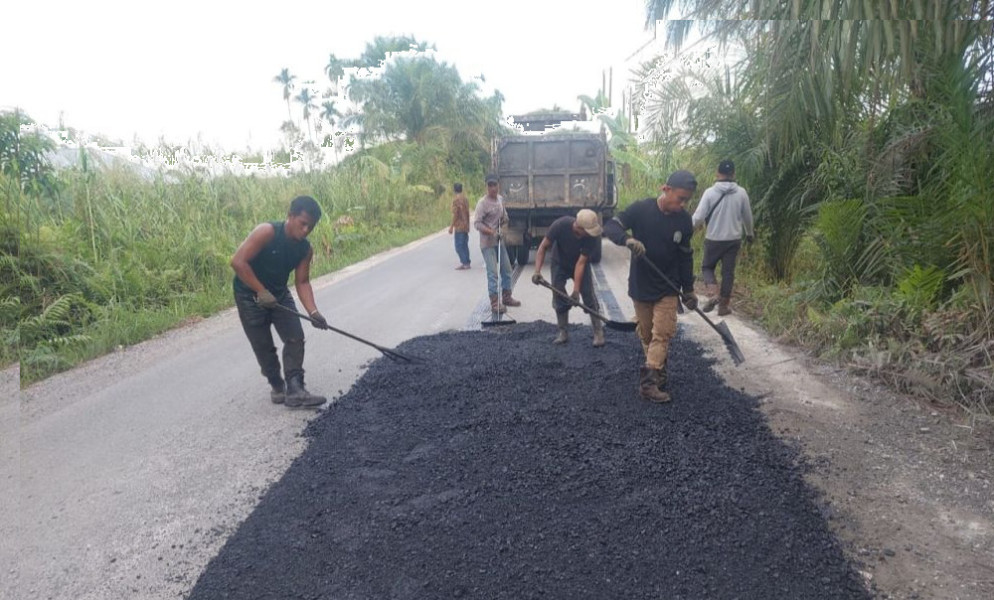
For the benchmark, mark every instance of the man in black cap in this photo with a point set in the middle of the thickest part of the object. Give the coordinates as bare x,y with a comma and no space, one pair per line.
725,213
661,231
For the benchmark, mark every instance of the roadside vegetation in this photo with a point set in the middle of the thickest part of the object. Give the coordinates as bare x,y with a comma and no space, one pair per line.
865,145
867,148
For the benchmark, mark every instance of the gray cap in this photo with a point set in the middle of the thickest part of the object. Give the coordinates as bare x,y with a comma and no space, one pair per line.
682,179
491,178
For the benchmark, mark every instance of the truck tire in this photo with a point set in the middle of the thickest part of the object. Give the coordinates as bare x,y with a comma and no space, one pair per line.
595,256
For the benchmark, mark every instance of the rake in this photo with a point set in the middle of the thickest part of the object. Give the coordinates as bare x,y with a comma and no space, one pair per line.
616,325
391,354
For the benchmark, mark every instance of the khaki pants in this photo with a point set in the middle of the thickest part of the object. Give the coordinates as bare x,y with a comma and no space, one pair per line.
656,326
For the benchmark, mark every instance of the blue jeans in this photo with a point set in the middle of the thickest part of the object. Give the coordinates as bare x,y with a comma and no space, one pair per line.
490,259
462,246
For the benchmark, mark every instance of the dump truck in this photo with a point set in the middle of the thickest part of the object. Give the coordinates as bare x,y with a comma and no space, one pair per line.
545,176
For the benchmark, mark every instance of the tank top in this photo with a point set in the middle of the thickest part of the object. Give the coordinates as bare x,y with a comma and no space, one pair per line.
274,263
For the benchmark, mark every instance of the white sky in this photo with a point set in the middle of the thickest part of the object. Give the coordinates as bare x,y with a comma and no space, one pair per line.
185,68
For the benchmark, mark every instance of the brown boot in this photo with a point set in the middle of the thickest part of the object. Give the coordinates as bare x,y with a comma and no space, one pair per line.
723,308
508,300
649,386
495,306
598,326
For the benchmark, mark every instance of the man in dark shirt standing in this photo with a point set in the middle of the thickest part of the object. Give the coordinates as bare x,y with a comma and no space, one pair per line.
262,264
575,239
661,231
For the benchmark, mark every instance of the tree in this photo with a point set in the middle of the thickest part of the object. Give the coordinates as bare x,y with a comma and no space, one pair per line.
286,80
306,98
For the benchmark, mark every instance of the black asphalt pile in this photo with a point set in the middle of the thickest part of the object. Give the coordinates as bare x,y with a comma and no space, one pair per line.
506,467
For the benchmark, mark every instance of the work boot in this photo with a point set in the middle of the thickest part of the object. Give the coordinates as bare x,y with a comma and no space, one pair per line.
598,327
562,319
723,308
649,386
495,307
298,396
278,391
709,304
508,300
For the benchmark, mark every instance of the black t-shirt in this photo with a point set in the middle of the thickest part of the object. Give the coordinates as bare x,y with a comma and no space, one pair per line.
667,244
274,263
568,246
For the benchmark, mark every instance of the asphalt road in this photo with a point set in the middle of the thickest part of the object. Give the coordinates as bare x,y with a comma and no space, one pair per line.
124,477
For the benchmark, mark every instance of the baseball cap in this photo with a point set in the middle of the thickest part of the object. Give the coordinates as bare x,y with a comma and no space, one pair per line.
588,221
726,167
491,178
682,179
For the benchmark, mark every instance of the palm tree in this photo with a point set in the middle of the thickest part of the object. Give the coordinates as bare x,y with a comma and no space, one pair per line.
306,98
335,69
286,80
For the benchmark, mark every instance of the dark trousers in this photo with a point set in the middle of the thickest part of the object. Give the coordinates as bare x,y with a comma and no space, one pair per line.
725,252
559,278
257,322
462,246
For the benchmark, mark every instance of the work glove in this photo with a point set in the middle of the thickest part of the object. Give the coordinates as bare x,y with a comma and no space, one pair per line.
537,278
637,247
318,320
266,299
750,239
575,296
690,300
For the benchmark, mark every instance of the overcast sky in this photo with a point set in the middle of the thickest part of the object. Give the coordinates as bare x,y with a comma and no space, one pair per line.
187,67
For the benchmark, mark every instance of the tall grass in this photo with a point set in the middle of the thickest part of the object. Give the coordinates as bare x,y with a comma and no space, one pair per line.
110,258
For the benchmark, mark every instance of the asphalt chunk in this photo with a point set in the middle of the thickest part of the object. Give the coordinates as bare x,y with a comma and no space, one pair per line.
506,467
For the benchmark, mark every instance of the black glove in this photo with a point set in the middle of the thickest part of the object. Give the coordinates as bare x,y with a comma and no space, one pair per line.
690,300
318,320
266,299
750,239
637,247
537,278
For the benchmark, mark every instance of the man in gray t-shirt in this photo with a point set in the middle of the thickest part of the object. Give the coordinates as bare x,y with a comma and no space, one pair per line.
725,213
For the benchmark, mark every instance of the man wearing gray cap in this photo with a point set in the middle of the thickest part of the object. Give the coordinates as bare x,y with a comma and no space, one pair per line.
725,213
574,239
661,231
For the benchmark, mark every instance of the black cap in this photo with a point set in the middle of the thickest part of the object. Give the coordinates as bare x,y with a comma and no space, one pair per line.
726,167
683,180
491,178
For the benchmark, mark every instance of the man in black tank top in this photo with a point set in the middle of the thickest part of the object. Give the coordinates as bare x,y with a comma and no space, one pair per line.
262,264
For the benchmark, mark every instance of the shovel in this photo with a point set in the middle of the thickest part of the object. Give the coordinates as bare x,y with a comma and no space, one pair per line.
392,355
737,357
616,325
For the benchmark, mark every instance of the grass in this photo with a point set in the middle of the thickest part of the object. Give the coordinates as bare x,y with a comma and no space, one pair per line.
108,259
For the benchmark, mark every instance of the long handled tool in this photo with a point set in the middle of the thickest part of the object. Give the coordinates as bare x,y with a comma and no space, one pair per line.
737,357
497,316
391,354
616,325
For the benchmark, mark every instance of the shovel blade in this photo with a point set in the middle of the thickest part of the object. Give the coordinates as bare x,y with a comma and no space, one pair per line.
737,357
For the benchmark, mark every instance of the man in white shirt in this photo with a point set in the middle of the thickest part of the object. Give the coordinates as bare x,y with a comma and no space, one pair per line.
725,213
